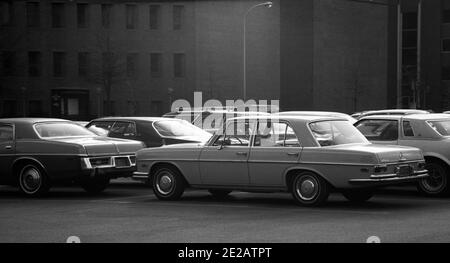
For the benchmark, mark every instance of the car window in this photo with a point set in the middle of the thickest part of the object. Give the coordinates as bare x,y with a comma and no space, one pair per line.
407,129
237,133
275,134
329,133
379,130
441,126
61,129
123,129
101,127
6,133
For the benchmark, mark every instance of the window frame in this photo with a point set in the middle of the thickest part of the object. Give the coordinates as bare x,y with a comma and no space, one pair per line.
13,127
288,125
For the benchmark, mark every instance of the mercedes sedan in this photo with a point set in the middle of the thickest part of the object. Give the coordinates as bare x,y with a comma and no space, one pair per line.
308,156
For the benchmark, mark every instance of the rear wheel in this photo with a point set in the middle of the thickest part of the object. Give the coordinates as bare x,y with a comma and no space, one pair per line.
218,193
168,183
436,184
95,185
33,180
309,189
358,196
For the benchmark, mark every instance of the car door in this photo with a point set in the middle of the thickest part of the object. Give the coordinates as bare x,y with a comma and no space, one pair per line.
224,161
380,131
276,148
7,151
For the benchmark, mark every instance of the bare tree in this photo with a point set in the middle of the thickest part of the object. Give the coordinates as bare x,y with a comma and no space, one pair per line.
109,70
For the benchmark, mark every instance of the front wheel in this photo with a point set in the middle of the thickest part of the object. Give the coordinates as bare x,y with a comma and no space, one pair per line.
33,181
436,184
309,189
358,196
168,183
95,185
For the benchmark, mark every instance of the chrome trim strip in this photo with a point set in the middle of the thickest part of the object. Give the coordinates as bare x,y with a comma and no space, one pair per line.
392,179
375,176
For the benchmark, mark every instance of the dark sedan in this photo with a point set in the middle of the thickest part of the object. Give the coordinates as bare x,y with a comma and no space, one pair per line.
35,153
152,131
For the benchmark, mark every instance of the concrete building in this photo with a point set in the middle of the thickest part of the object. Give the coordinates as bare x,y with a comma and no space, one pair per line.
82,59
432,24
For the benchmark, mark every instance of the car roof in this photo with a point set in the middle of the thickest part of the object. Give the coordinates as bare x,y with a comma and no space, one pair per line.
429,116
303,118
32,120
395,111
149,119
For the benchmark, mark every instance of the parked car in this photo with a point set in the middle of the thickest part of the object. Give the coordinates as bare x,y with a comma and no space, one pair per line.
35,153
212,119
152,131
319,113
307,156
392,112
429,132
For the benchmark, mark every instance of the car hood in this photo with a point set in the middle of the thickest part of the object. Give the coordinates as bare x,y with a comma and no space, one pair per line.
102,145
385,153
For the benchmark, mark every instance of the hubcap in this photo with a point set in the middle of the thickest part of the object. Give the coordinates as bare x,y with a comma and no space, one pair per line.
307,188
31,179
165,183
436,180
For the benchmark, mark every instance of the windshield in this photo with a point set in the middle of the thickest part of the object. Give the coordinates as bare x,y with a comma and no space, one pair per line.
61,129
177,128
329,133
442,126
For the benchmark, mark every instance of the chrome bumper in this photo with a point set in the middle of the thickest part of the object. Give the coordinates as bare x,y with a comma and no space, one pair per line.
140,176
390,178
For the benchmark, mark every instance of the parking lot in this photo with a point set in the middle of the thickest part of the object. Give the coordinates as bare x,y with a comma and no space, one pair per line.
129,212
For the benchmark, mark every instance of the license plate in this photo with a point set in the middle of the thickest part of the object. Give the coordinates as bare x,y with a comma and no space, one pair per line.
122,162
403,171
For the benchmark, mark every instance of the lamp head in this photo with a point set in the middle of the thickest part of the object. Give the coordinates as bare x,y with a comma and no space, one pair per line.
268,4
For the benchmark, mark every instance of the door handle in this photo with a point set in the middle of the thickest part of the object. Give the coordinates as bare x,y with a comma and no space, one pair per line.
241,153
293,154
8,147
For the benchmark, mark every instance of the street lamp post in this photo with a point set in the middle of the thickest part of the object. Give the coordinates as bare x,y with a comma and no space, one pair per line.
268,5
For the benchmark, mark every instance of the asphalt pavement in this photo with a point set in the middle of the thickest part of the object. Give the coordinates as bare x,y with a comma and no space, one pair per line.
129,212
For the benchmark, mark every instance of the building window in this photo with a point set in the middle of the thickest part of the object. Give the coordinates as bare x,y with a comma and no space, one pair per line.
410,20
83,64
179,67
109,110
131,16
446,16
445,72
155,64
35,108
34,63
178,17
410,39
6,13
155,16
10,108
156,108
106,15
132,64
446,45
59,63
58,15
9,63
132,108
33,15
82,15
